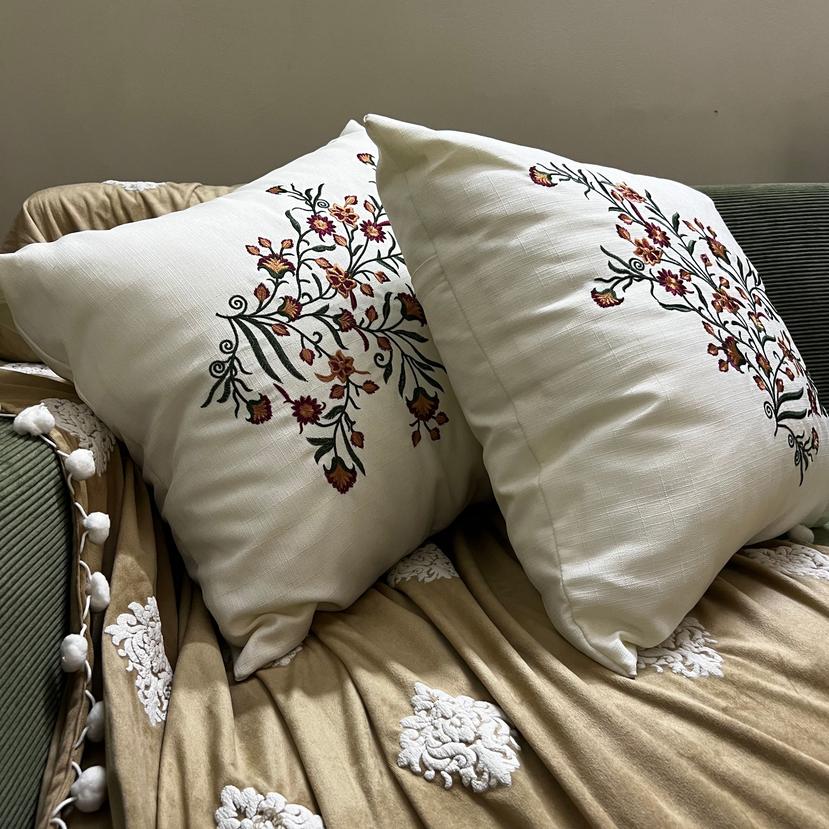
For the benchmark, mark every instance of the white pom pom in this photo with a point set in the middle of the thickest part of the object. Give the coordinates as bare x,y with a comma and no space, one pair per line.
95,723
90,789
80,464
73,650
96,525
801,534
35,420
97,588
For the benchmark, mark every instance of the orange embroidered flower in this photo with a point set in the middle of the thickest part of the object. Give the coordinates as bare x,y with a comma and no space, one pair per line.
626,192
345,320
723,301
307,356
275,265
345,212
647,252
657,235
717,248
733,353
340,476
423,405
278,190
290,308
259,411
764,364
541,178
280,330
342,367
261,292
321,225
366,158
411,309
606,298
341,282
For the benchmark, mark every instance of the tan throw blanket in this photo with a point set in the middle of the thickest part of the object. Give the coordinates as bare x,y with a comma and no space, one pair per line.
444,698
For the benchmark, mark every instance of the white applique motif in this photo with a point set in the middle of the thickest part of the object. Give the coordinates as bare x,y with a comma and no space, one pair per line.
686,651
37,369
286,660
81,422
792,560
458,737
248,809
426,563
139,635
135,186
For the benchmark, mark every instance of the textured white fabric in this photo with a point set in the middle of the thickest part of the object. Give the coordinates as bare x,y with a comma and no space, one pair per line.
592,324
191,336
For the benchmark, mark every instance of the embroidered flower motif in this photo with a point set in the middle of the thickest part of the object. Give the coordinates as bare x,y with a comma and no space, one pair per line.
458,738
296,304
248,809
426,563
710,289
686,651
139,635
135,186
81,422
286,660
792,560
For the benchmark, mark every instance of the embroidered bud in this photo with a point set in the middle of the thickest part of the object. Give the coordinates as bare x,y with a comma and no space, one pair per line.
80,464
801,534
95,723
97,588
73,651
97,525
34,420
90,789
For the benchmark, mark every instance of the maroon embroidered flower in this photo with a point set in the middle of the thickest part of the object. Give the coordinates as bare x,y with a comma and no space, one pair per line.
277,190
815,439
760,382
321,225
671,282
647,252
366,158
259,411
261,292
342,283
345,320
723,301
735,357
657,235
813,404
763,363
541,178
306,410
340,475
606,298
716,247
411,309
374,230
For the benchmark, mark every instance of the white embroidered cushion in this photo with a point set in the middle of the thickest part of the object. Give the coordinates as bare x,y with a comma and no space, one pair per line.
265,359
643,410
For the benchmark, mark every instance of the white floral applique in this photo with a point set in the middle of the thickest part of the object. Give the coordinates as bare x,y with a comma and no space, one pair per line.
458,737
286,660
142,643
426,563
37,369
792,560
686,651
248,809
135,186
81,422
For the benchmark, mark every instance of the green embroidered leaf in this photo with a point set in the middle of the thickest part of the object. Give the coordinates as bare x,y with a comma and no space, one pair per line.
274,343
293,221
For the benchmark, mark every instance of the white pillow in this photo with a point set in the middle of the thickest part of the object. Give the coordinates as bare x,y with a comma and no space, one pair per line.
595,325
264,358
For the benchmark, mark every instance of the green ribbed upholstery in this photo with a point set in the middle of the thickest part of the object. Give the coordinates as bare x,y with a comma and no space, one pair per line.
35,560
784,230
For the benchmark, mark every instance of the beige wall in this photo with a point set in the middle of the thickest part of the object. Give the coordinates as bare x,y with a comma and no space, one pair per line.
224,90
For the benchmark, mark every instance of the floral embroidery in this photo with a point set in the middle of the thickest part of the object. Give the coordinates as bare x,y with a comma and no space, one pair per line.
81,422
458,737
302,307
426,563
135,186
248,809
142,643
686,651
792,560
745,333
286,660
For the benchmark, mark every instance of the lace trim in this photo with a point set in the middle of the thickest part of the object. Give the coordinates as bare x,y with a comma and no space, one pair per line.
134,186
90,432
792,560
142,643
686,651
458,737
426,563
